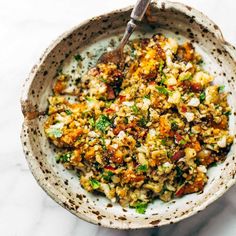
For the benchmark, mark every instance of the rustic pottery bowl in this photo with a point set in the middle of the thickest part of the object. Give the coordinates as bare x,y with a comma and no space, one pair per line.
172,19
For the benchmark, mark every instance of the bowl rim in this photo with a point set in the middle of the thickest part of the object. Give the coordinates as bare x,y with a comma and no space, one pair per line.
45,185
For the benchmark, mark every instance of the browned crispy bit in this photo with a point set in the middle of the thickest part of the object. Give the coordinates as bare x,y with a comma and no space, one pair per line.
185,52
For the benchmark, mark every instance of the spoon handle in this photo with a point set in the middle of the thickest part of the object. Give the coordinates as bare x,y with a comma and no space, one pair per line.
139,10
136,15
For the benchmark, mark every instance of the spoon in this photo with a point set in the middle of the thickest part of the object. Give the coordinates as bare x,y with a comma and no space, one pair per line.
116,56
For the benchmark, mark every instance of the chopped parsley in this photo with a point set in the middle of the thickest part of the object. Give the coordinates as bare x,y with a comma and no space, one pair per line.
227,113
102,79
89,99
102,123
147,96
202,96
213,164
163,142
78,57
162,90
186,76
94,183
174,126
142,122
68,112
134,109
92,122
103,143
141,207
63,158
126,120
107,175
221,89
182,142
161,66
142,168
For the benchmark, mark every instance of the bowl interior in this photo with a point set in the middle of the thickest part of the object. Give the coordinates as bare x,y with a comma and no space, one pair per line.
94,36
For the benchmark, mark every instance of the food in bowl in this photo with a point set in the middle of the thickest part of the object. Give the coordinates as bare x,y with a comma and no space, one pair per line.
148,130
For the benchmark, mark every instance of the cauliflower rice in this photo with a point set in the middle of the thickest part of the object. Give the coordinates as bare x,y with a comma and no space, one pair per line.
149,130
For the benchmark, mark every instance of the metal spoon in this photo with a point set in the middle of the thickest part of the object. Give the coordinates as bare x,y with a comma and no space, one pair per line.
116,56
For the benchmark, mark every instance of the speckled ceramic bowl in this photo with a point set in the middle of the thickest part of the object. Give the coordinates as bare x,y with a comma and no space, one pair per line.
172,19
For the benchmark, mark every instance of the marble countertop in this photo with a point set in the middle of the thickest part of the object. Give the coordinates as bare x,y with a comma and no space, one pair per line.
27,27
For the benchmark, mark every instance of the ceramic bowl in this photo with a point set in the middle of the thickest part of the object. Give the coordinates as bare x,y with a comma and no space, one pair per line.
172,19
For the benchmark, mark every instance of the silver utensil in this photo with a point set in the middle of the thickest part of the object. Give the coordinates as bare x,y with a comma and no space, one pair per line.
116,56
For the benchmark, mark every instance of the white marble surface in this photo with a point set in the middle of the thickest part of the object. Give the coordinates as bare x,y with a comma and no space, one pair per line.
27,27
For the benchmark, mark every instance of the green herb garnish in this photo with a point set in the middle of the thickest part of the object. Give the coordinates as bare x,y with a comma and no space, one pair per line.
161,66
89,99
135,109
162,90
94,183
78,57
142,122
92,122
174,126
126,120
63,158
141,207
213,164
103,143
102,79
163,142
227,113
198,162
142,168
107,175
68,112
147,96
186,76
182,142
202,96
221,89
102,123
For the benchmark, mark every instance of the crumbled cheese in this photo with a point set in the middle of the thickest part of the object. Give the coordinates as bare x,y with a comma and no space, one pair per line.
131,117
107,142
152,132
109,49
128,104
174,97
189,116
171,81
93,134
121,135
146,103
58,125
222,142
142,159
114,145
202,78
202,168
188,66
194,102
166,164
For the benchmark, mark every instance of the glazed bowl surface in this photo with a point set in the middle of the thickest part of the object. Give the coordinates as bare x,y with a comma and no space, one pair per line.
173,20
